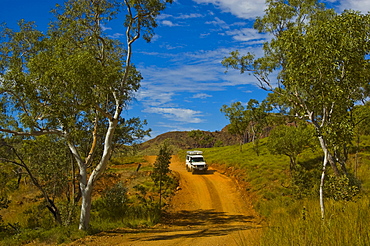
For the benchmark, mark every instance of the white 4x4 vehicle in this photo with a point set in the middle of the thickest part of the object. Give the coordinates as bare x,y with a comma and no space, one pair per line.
195,162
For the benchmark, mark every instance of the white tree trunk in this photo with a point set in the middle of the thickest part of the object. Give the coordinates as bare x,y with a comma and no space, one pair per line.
96,173
325,161
85,208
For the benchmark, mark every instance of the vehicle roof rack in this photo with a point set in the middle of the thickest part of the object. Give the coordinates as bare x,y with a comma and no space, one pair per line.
195,152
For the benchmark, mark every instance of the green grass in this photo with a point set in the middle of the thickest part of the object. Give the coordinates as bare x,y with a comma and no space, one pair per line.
291,209
56,235
265,172
347,223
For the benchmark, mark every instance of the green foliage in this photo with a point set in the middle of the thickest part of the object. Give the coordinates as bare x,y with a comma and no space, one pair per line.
265,172
49,160
161,166
289,200
161,173
38,216
324,92
200,138
238,122
113,203
55,235
304,182
74,81
247,122
341,188
4,202
291,141
8,181
135,206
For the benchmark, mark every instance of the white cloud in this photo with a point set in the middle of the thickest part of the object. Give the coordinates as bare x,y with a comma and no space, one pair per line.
153,96
247,34
197,73
155,38
246,9
360,5
169,23
202,95
116,35
169,46
104,28
188,16
177,114
218,22
163,16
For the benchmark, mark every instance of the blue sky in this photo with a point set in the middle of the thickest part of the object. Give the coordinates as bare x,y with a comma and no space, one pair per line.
184,83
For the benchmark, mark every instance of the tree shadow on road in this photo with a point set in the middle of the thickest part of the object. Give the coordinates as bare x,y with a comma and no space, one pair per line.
194,224
208,172
204,217
202,223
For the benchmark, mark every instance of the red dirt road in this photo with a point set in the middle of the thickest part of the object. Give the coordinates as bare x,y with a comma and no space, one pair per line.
208,209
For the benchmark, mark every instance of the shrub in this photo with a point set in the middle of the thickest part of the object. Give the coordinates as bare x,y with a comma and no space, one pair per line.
37,216
341,188
114,202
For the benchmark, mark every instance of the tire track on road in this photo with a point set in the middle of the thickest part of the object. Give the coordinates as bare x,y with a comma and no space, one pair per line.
215,197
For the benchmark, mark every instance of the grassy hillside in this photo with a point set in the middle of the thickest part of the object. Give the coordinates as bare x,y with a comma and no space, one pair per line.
288,201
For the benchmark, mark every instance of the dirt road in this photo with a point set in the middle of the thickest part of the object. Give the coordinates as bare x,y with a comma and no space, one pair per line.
208,209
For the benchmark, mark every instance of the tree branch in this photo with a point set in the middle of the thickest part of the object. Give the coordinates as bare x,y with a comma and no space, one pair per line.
32,133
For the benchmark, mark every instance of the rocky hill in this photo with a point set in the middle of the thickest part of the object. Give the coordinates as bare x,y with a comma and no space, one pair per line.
190,140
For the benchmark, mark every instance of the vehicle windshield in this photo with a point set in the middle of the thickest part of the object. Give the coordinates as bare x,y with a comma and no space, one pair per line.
197,159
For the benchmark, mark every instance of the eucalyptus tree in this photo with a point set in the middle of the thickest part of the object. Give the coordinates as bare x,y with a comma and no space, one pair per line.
247,122
257,114
236,113
75,80
291,140
44,160
323,71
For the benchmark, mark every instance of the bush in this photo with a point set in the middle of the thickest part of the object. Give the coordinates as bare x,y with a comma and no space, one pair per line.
341,188
114,202
305,183
38,216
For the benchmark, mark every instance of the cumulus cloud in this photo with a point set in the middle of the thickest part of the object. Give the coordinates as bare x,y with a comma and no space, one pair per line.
246,9
360,5
177,114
